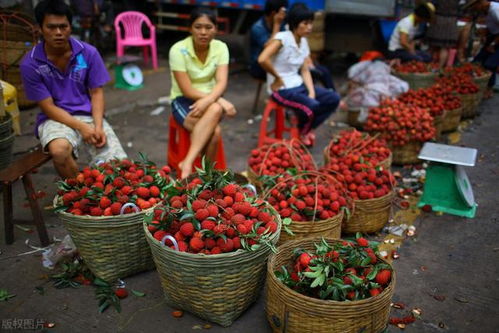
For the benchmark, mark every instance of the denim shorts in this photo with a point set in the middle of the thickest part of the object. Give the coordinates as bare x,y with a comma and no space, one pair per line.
180,108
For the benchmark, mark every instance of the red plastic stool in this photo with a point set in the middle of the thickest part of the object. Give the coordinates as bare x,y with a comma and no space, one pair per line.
178,146
277,133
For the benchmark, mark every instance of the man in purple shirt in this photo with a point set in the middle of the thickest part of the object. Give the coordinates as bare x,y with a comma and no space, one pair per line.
65,77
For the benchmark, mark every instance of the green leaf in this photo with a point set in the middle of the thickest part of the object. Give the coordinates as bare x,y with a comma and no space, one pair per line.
312,274
138,293
287,221
289,231
373,274
103,306
101,283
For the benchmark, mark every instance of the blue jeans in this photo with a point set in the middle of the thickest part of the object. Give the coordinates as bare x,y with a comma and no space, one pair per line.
405,55
310,112
489,61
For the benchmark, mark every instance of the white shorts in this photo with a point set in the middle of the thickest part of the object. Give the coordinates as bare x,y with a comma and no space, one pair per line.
51,130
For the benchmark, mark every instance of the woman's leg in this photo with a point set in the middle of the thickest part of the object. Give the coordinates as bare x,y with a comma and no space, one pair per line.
201,130
212,147
328,102
298,100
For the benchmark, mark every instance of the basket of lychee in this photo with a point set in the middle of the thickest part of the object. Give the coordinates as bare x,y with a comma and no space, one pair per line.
371,188
480,75
274,159
328,285
469,92
210,242
452,105
310,204
416,73
103,208
372,149
404,127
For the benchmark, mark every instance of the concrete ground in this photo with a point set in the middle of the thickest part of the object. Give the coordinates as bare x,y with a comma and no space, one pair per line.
450,269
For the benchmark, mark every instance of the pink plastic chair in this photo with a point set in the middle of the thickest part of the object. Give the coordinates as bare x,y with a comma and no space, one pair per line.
132,26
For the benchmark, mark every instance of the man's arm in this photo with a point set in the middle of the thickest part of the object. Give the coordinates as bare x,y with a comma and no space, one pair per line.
60,115
97,100
277,23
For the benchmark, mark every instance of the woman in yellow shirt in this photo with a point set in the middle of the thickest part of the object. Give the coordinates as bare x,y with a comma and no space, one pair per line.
199,67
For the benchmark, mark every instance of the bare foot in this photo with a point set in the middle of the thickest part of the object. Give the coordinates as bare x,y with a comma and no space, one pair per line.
185,169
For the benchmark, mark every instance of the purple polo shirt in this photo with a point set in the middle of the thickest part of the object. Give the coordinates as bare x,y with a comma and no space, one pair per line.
69,90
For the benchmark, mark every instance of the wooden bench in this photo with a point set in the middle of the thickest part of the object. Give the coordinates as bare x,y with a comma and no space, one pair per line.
21,169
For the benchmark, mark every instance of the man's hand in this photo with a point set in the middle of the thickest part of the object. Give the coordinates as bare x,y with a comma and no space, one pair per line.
100,137
87,133
227,106
280,16
276,84
198,108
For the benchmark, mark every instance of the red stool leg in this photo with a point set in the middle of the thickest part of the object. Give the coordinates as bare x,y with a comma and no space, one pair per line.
221,163
280,120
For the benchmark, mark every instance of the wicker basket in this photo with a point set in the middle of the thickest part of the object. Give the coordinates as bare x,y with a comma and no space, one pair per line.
216,287
112,246
417,80
482,83
470,104
369,215
303,229
357,117
291,312
6,144
5,126
451,120
438,123
12,75
407,154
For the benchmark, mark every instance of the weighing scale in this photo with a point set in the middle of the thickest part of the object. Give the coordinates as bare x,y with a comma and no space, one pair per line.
447,187
128,75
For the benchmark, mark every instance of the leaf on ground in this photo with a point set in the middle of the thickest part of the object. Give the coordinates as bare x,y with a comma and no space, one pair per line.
138,293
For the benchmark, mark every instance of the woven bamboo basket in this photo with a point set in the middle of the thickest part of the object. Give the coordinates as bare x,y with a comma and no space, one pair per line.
369,215
304,229
217,287
407,154
353,117
5,126
470,104
291,312
482,82
451,120
417,80
6,144
438,123
112,246
12,75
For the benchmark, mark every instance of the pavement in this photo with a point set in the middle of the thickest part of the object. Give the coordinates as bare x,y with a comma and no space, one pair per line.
449,269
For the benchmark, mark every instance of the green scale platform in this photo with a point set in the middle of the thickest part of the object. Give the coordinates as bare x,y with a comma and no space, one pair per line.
447,187
128,76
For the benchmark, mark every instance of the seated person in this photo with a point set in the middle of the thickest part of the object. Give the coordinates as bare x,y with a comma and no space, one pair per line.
199,67
264,30
489,54
286,58
65,77
402,43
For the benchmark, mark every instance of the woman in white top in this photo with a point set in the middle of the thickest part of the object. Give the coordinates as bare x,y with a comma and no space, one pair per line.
286,61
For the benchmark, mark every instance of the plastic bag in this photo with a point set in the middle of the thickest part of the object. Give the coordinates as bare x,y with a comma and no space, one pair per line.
56,252
371,82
